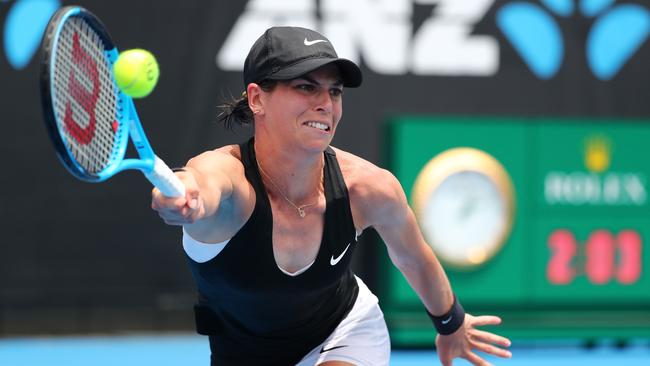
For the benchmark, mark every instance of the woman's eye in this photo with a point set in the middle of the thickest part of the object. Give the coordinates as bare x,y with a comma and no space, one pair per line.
306,87
336,92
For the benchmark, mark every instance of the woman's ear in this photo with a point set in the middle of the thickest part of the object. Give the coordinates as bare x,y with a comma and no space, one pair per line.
255,103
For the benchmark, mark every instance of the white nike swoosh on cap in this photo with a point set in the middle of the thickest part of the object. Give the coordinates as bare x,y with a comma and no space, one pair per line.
334,261
309,43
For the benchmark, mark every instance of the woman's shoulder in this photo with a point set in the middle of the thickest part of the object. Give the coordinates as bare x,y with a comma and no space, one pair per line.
226,157
368,185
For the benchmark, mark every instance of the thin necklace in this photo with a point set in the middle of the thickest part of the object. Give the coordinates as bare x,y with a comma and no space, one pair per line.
300,209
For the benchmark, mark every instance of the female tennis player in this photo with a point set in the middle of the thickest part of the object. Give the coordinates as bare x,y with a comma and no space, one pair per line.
270,226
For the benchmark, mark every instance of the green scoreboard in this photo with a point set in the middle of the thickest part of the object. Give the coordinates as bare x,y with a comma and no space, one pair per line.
545,223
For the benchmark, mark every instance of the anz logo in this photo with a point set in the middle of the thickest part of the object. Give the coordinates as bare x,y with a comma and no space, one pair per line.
382,33
23,28
616,34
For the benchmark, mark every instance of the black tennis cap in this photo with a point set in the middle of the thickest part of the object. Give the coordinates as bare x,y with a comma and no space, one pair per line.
285,53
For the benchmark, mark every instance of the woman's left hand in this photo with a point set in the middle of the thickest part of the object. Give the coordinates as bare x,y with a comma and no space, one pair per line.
467,338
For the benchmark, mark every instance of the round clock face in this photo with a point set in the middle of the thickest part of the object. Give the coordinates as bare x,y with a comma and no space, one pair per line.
464,204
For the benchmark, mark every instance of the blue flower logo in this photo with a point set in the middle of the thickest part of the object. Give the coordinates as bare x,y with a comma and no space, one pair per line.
617,33
24,27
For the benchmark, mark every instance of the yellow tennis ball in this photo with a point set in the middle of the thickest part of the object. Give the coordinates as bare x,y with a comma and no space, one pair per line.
136,72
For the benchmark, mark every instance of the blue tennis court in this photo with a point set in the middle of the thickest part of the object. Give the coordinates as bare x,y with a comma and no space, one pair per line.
168,350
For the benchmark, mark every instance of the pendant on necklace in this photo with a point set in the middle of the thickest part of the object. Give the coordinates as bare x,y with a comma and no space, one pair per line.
301,212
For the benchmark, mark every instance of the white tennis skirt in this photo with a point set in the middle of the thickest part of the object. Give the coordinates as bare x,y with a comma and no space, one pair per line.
361,339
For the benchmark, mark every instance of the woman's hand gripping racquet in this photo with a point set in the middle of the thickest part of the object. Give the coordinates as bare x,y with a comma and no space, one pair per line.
88,118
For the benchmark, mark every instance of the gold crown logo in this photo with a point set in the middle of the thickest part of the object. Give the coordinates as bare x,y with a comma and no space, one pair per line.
598,153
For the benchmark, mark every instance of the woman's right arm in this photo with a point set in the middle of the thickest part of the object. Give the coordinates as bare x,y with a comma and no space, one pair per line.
216,195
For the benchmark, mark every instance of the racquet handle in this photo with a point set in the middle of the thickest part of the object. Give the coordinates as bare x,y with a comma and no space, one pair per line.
165,180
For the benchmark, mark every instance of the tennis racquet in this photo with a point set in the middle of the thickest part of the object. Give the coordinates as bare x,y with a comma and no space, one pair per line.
88,118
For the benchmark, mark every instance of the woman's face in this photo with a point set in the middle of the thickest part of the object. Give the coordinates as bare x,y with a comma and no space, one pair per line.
306,110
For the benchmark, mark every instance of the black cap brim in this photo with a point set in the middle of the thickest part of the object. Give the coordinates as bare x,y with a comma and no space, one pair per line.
350,72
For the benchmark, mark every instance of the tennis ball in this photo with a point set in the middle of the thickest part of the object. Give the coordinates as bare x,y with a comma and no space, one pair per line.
136,72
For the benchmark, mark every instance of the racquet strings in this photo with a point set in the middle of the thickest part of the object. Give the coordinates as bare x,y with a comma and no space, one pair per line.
84,96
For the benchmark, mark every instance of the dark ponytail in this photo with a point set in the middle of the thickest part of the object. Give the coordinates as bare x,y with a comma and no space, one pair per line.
237,111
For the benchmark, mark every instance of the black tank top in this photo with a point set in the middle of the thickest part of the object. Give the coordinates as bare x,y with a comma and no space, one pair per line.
253,312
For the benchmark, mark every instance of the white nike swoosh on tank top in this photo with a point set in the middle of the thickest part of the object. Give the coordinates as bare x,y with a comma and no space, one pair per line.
334,261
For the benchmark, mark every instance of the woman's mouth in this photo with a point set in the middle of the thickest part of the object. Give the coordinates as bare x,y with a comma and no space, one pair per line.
318,125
